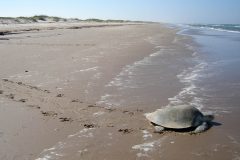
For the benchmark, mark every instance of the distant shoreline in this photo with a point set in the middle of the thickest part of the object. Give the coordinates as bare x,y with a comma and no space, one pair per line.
14,25
54,19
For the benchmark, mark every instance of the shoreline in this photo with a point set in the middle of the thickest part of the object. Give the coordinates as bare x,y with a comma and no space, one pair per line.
60,74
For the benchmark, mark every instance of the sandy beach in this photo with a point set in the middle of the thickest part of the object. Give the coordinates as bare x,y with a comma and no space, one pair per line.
62,94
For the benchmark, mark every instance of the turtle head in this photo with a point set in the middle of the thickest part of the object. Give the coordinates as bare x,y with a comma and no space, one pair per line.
208,118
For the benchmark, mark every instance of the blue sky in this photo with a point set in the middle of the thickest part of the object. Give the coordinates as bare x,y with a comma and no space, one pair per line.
175,11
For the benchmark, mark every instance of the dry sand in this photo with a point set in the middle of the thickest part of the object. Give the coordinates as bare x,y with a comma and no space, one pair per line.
52,79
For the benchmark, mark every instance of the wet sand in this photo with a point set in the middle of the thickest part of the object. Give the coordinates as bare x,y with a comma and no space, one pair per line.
53,84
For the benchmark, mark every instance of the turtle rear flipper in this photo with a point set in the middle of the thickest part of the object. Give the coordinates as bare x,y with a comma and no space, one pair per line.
203,127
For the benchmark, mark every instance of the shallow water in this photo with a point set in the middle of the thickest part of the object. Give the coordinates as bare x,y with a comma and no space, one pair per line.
219,80
148,83
210,73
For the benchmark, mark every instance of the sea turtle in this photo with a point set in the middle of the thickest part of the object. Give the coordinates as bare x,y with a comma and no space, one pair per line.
179,117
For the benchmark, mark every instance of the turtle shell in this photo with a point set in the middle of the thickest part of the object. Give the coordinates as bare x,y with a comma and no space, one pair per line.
182,116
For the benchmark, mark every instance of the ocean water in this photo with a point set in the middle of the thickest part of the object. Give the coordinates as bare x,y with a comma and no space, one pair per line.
219,27
219,60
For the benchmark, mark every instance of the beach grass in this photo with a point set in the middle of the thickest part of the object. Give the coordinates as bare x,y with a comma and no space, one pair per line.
46,18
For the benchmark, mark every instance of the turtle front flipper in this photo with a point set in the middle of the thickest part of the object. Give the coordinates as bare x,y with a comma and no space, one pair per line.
159,129
203,127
